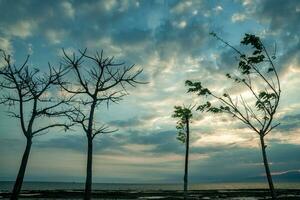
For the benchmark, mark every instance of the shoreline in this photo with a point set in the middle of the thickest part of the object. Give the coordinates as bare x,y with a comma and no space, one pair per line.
247,194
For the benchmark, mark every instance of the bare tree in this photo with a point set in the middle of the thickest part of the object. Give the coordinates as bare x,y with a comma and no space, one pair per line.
184,114
100,80
257,73
29,93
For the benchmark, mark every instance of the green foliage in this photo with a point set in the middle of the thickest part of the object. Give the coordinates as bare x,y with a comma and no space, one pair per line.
256,59
245,67
181,136
214,110
208,108
184,114
265,100
204,107
196,87
252,40
250,71
246,62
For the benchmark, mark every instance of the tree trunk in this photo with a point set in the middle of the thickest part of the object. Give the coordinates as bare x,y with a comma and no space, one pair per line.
88,181
20,177
266,164
186,164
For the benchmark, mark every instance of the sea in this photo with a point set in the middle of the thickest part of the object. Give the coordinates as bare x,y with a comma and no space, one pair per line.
7,186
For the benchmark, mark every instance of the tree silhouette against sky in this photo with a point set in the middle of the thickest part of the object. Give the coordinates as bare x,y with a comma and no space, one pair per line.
257,73
95,80
184,114
30,96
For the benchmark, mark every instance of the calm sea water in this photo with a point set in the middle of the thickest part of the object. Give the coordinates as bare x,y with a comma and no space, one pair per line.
7,186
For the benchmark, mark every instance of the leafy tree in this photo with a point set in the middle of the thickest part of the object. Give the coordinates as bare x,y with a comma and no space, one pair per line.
184,114
257,73
30,94
100,80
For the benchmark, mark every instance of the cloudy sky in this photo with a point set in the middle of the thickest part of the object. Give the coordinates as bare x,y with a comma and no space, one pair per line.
170,41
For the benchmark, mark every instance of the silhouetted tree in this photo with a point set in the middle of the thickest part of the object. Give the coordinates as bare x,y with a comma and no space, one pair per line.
184,114
99,80
30,92
258,74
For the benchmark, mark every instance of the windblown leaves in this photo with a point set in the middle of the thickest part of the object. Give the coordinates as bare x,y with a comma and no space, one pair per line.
265,100
252,40
246,62
196,87
254,67
184,114
181,136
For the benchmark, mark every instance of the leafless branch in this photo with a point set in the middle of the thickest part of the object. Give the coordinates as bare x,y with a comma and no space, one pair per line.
26,86
98,80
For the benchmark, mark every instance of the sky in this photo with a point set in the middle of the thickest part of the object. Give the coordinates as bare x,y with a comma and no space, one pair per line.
170,41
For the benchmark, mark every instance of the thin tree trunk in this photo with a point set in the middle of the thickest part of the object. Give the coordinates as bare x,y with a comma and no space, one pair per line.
88,181
186,160
22,169
89,134
266,164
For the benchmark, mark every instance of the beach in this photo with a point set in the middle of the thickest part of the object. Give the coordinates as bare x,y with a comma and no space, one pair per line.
109,191
246,194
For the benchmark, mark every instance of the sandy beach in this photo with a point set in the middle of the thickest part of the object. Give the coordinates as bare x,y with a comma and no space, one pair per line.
249,194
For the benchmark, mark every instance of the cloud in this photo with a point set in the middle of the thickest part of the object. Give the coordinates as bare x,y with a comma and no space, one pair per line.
247,2
181,24
133,122
224,138
68,9
181,7
268,11
281,28
238,17
109,5
218,8
22,28
289,122
55,36
6,45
